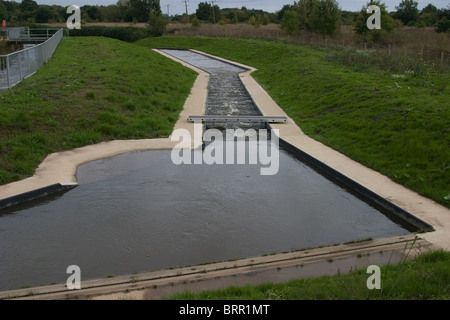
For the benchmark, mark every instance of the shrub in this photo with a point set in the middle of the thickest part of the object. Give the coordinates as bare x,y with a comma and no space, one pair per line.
4,49
255,20
407,12
195,22
128,34
325,17
156,24
375,35
290,22
319,16
443,25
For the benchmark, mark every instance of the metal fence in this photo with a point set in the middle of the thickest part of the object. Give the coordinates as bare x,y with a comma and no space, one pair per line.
27,34
19,65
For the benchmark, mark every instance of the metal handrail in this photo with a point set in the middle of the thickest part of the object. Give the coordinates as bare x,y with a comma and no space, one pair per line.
238,118
27,34
16,66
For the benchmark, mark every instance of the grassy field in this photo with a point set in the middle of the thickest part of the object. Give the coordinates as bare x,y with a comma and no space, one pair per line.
424,278
92,90
420,44
390,115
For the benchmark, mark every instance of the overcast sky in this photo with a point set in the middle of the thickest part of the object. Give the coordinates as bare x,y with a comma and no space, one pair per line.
178,6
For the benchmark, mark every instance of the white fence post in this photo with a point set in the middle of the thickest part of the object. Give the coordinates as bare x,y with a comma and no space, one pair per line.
7,71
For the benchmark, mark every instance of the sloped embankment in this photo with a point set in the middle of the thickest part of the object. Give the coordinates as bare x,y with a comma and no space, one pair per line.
92,90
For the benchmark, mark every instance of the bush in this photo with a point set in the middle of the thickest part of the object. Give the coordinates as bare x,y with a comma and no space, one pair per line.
156,25
4,49
407,12
325,17
290,22
443,25
224,21
128,34
255,20
319,16
195,22
374,36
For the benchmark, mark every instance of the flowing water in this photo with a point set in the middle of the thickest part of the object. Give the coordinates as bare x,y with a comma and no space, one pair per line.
226,93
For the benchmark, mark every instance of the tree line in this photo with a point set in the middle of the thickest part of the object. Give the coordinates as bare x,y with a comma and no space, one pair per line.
324,17
123,11
319,16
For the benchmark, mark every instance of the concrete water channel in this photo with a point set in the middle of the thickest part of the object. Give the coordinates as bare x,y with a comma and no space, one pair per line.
139,212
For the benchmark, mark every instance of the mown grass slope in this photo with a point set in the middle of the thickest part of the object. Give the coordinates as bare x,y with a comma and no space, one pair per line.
92,90
394,119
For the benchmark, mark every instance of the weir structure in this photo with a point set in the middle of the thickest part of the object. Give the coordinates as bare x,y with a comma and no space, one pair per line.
432,219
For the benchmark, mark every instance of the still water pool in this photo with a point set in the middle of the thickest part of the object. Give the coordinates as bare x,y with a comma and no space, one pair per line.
139,212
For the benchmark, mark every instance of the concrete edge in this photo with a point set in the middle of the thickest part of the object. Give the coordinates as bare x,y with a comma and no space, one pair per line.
408,246
412,223
36,194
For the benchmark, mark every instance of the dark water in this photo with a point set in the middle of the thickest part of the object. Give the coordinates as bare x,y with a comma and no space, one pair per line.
139,212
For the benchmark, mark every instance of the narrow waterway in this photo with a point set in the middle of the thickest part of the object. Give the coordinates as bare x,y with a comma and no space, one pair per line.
226,93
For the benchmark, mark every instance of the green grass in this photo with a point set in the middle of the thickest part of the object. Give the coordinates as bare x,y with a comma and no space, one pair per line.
392,118
92,90
424,278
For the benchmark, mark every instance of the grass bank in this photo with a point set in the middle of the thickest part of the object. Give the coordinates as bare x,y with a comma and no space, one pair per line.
92,90
392,117
424,278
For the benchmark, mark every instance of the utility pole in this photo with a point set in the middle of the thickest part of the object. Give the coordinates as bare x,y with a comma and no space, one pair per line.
186,4
214,11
